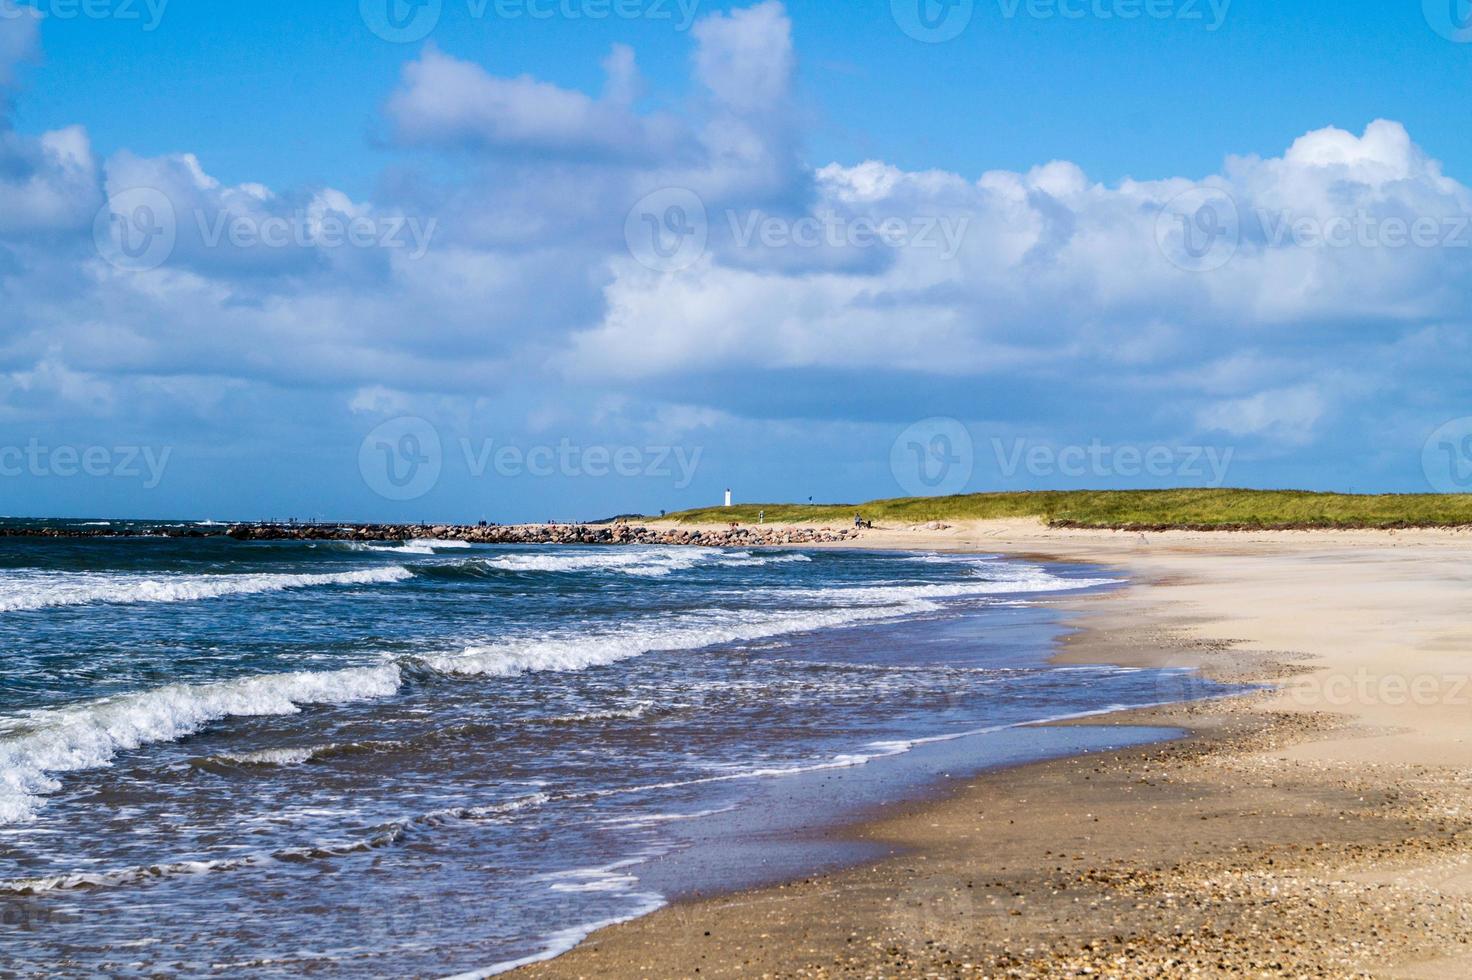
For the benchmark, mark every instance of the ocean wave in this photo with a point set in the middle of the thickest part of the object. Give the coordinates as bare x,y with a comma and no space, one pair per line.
411,546
269,757
23,591
300,755
385,835
628,560
36,746
645,561
711,627
1011,576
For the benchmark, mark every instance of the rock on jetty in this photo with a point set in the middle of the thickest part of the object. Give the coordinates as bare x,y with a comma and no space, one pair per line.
711,537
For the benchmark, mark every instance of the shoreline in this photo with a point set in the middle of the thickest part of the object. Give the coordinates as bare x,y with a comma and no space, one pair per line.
1315,828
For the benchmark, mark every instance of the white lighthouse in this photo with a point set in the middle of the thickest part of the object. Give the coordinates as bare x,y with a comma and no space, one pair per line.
728,496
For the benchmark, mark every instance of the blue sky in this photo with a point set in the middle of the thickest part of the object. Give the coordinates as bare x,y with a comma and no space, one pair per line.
1034,315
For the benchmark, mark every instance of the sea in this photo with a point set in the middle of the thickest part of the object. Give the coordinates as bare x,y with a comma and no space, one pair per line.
427,758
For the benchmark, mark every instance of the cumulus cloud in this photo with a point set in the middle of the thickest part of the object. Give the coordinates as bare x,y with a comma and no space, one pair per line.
448,103
1019,268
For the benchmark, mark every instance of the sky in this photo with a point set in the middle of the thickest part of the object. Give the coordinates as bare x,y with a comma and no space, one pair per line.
564,259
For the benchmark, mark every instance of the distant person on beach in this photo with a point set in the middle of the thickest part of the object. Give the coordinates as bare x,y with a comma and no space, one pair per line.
858,520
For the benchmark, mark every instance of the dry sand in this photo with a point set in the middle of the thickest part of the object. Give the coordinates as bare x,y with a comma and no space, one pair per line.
1321,828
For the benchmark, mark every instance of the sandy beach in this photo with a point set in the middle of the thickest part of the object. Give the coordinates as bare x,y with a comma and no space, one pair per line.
1321,826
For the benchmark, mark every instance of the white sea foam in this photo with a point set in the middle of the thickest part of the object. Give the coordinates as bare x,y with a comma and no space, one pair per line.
708,628
652,562
413,546
270,757
36,746
835,607
27,590
386,835
1011,576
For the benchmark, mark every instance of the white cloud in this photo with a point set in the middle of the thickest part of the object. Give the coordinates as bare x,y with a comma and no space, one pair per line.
1286,415
449,103
1040,280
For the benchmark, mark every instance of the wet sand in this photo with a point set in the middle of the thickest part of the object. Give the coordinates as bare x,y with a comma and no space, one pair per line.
1320,828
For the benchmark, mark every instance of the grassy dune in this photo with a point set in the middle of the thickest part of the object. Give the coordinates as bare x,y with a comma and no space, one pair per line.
1132,509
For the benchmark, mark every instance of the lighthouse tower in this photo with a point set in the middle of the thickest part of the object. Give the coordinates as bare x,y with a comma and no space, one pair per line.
728,496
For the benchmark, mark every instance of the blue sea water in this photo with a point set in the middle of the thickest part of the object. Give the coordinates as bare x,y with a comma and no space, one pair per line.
423,758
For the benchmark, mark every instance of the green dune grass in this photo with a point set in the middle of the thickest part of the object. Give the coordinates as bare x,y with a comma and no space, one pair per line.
1222,509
